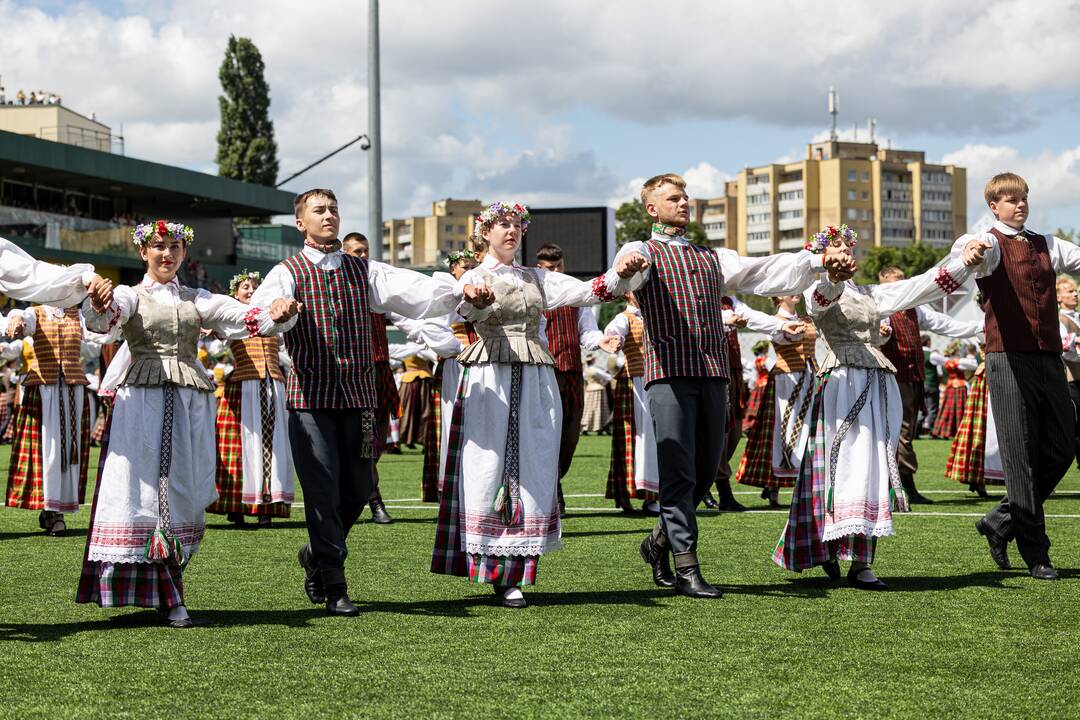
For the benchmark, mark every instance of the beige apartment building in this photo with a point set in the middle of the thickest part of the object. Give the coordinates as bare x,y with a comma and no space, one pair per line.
890,197
425,240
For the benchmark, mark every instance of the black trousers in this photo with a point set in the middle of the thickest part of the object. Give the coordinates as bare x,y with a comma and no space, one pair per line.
931,398
1036,437
688,417
336,480
1074,393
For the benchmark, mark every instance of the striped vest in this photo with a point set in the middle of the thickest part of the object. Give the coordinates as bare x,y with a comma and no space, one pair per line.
330,344
680,303
904,348
255,359
731,333
57,347
564,340
1072,367
1019,297
465,333
632,346
795,357
380,350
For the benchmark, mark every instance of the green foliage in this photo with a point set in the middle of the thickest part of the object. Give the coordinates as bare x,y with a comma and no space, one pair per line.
913,260
246,147
608,311
634,223
1069,235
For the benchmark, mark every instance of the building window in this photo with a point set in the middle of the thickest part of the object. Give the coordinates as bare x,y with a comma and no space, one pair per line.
852,176
865,214
850,194
852,214
449,228
866,176
461,229
865,194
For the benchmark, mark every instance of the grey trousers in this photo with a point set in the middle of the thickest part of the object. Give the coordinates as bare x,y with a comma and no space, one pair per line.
1035,429
336,480
688,417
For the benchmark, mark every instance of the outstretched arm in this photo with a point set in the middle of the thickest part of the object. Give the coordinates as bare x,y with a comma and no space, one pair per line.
935,283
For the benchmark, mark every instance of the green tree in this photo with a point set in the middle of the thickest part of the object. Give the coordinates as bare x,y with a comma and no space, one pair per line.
246,147
913,260
1064,234
634,223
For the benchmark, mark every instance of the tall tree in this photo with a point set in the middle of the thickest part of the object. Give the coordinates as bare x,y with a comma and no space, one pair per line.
246,147
634,223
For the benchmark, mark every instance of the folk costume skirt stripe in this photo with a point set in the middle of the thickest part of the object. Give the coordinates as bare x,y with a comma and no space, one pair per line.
755,467
973,458
620,482
37,479
429,480
951,412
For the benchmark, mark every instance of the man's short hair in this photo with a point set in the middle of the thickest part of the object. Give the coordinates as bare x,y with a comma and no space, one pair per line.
1064,280
549,253
302,198
925,339
888,272
355,237
1003,184
658,180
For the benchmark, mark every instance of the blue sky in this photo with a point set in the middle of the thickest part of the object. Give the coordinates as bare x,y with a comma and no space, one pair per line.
557,102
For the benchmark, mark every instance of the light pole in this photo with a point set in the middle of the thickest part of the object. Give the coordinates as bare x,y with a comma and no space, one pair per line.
375,130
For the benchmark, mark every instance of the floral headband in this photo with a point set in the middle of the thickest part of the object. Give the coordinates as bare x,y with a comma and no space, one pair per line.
143,233
499,210
458,256
254,277
819,241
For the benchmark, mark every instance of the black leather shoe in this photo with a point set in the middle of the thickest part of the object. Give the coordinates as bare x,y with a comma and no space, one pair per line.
1044,571
688,580
913,494
651,508
979,490
508,602
832,569
313,584
655,553
379,514
999,549
180,623
732,505
855,582
341,606
235,518
710,501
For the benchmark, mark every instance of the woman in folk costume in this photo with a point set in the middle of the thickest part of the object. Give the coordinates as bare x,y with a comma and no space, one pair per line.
757,388
596,413
415,392
849,484
452,337
974,459
51,446
956,387
499,511
777,440
158,476
633,472
254,462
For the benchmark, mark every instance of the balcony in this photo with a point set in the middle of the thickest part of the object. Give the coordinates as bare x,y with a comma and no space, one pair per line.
759,247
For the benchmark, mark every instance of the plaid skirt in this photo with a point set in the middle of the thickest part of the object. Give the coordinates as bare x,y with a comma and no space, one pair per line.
97,435
755,466
967,456
620,479
951,412
230,461
429,480
6,413
754,405
801,546
26,474
447,557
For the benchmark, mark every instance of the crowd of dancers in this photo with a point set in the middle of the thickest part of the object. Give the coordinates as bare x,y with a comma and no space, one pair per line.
215,403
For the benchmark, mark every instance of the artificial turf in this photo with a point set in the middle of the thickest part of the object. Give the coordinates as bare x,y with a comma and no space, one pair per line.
954,638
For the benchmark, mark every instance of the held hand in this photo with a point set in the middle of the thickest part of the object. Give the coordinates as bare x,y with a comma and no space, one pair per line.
16,327
631,264
794,328
975,252
885,329
478,296
284,309
99,291
737,320
611,344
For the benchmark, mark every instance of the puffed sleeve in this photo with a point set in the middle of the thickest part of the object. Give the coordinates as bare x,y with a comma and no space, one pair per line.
619,326
781,274
991,258
124,304
562,290
621,286
29,280
279,283
937,282
409,293
233,320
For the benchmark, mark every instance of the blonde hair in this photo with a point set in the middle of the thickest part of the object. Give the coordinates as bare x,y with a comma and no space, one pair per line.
657,180
1003,184
1064,280
890,271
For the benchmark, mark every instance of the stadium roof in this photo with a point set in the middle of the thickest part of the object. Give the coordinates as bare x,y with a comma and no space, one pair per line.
47,162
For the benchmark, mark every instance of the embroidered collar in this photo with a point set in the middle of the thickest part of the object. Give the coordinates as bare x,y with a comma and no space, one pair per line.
491,262
326,248
659,228
315,255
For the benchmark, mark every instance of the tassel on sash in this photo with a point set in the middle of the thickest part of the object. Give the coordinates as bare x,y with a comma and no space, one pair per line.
163,546
508,498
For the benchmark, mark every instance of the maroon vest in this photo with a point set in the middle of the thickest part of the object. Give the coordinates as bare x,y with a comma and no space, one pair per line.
330,344
564,340
380,350
1019,298
904,348
732,335
680,304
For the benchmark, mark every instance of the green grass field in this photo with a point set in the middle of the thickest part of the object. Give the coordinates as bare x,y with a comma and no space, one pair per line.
955,638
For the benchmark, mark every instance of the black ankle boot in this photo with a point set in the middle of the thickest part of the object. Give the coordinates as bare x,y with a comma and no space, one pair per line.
337,593
710,501
688,580
378,512
313,584
914,496
654,551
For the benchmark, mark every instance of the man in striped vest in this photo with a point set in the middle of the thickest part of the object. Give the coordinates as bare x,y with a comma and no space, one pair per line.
904,350
1070,323
1016,275
686,361
569,330
331,391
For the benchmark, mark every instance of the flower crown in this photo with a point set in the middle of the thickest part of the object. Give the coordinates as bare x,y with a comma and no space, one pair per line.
254,277
458,256
819,241
143,233
498,210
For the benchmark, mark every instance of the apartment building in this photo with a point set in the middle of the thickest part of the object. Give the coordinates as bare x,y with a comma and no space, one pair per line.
425,240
